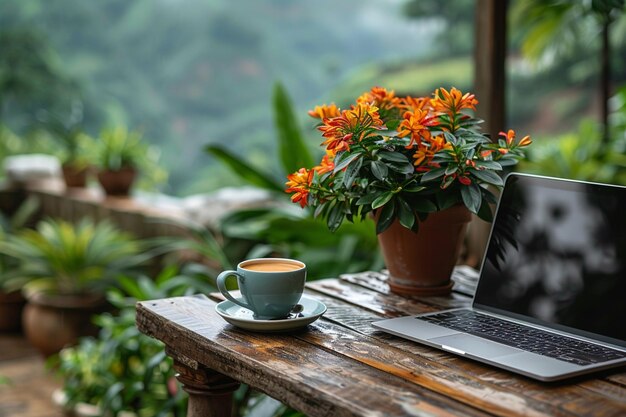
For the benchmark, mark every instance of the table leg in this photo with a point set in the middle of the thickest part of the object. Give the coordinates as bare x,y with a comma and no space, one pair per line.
210,393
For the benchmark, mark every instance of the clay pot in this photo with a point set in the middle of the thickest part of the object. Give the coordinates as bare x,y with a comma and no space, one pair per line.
11,306
75,177
52,322
421,263
117,183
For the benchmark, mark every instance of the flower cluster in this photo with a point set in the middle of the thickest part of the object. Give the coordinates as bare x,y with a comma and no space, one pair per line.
405,157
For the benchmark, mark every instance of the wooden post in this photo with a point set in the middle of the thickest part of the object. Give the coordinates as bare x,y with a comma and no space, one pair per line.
210,393
489,87
489,60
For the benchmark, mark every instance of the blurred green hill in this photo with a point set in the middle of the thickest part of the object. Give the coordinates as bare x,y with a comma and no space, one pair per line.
189,73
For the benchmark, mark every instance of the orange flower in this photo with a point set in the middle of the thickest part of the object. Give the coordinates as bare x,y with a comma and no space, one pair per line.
381,98
325,111
299,184
416,124
337,144
420,154
525,141
452,102
363,120
509,137
426,152
327,164
438,143
415,103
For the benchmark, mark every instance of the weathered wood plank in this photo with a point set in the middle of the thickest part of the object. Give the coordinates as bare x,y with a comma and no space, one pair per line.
313,380
360,320
379,281
391,305
618,378
388,305
535,400
407,362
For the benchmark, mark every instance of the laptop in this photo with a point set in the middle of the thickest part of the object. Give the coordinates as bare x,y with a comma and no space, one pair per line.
551,296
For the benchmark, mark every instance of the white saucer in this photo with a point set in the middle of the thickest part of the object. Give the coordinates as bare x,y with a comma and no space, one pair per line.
242,317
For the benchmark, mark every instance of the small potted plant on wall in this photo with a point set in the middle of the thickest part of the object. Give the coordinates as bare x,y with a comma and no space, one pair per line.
76,147
120,154
64,270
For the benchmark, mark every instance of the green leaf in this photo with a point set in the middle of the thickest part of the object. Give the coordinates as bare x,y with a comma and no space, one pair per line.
393,124
413,188
386,218
488,196
447,181
450,137
392,157
492,165
351,173
487,176
407,168
335,217
379,170
424,205
472,197
397,162
243,170
344,159
446,200
508,162
451,169
367,199
485,213
405,214
433,174
382,199
321,209
292,148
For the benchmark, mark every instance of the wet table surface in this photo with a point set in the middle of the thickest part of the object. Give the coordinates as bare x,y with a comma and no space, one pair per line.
340,365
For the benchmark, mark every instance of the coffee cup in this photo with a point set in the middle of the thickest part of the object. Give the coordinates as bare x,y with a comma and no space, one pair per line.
270,287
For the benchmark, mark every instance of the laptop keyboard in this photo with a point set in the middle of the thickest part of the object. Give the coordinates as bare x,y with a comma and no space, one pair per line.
524,337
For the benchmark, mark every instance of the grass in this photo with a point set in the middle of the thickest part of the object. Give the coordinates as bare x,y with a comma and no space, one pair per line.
407,78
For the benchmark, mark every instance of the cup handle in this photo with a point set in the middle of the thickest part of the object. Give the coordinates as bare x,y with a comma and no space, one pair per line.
221,285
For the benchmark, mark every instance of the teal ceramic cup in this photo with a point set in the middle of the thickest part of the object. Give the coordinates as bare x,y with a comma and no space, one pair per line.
270,287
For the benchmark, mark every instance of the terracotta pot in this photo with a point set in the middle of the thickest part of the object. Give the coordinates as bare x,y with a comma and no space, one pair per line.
52,322
11,306
75,176
422,263
117,182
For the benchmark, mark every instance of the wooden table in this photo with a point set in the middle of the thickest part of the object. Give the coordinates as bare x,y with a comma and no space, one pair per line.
340,366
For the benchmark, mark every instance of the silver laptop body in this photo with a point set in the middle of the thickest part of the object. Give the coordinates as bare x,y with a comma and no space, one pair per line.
551,297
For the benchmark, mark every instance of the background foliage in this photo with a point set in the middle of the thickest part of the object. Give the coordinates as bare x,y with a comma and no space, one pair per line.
197,72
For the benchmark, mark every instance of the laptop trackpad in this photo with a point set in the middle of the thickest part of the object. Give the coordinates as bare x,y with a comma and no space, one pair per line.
473,345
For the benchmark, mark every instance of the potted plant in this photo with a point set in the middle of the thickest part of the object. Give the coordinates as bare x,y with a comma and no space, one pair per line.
64,270
414,164
76,146
12,301
123,372
120,153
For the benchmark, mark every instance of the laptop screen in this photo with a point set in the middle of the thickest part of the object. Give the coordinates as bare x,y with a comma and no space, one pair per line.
557,256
